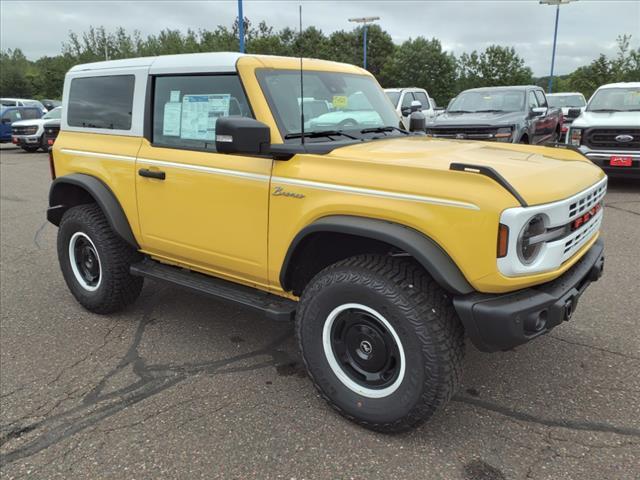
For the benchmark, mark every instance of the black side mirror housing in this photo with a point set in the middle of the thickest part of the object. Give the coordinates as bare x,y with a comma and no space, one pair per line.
6,121
417,122
574,112
242,135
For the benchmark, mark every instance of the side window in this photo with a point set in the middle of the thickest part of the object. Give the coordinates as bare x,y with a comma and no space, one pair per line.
30,113
186,107
12,116
407,99
422,98
101,102
533,103
542,100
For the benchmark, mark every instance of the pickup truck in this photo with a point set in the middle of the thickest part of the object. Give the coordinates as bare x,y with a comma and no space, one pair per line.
608,131
505,114
572,105
408,100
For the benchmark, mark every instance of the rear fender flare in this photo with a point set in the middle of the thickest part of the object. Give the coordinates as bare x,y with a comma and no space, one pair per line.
60,201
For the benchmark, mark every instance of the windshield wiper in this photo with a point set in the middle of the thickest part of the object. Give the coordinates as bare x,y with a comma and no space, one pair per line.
459,111
383,129
606,110
489,111
320,133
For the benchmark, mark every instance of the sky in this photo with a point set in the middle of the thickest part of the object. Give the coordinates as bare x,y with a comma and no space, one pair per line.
586,28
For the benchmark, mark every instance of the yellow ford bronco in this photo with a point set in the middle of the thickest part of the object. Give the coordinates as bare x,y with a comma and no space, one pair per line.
217,172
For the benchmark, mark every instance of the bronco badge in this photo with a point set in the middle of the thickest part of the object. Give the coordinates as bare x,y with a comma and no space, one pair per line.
281,192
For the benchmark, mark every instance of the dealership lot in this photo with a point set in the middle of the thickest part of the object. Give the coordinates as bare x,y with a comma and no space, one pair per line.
183,386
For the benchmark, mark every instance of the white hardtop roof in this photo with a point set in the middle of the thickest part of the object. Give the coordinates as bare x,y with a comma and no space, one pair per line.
218,61
561,94
621,85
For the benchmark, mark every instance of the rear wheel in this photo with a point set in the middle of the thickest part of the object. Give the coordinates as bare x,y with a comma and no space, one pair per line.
95,261
381,341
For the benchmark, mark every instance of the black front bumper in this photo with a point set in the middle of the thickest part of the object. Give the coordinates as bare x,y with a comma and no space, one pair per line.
496,322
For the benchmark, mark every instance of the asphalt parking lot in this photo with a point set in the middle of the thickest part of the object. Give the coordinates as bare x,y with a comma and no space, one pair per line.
181,386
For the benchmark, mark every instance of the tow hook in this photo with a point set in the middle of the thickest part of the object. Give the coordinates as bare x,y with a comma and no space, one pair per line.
568,309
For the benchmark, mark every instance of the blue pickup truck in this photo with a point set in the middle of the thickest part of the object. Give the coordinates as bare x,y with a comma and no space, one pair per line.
8,115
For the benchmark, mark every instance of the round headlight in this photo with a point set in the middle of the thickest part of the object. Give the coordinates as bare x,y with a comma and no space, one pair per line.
528,252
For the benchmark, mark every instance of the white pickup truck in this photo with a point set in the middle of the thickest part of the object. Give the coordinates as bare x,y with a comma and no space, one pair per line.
572,105
608,131
405,101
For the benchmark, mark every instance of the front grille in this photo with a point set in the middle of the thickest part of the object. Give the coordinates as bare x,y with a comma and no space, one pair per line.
24,130
473,133
605,138
577,208
584,203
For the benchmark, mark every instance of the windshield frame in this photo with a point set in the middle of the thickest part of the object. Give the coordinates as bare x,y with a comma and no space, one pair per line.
522,92
600,90
262,73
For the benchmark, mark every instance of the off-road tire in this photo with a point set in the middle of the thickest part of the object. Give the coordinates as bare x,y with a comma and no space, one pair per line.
424,319
117,287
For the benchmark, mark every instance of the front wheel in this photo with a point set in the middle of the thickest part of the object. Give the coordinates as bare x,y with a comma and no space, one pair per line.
381,341
95,261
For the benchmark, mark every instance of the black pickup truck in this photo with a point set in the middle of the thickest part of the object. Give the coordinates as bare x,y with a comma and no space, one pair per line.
504,114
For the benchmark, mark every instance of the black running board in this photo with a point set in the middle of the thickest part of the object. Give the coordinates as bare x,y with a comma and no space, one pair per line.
273,306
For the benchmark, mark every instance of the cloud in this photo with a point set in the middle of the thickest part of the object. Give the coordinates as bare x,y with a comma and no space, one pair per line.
587,27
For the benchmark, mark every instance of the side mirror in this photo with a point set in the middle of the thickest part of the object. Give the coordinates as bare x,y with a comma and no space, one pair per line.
6,121
416,106
417,122
406,111
574,112
242,135
538,111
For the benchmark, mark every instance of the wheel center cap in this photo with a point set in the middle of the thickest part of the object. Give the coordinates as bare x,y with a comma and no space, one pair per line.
366,347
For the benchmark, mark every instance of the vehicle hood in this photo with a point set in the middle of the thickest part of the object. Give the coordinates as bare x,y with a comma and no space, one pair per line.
607,119
539,174
486,118
29,123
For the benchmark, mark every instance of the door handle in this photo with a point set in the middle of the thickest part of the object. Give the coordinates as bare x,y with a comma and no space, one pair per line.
157,174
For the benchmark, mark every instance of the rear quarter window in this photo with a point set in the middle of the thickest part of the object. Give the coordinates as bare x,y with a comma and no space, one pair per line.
101,102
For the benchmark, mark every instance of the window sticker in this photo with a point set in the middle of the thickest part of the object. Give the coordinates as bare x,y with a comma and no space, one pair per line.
339,101
199,115
174,96
171,123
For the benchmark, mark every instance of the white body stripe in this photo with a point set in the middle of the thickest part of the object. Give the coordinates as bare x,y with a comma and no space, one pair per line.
203,169
374,193
98,155
284,180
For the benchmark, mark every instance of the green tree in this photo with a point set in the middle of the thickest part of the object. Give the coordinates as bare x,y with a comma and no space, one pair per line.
422,63
496,66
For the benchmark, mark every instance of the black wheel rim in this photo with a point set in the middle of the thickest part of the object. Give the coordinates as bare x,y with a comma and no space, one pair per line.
86,260
365,349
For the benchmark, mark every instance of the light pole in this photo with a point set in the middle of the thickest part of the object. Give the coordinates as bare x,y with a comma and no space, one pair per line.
241,26
557,3
365,21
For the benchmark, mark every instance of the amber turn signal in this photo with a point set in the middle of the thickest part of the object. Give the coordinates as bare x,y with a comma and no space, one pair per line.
503,240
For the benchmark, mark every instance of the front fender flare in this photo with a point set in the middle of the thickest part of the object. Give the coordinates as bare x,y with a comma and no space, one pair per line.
425,250
99,192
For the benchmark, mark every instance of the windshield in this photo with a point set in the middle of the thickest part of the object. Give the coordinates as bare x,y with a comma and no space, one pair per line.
394,97
625,99
332,101
570,101
488,101
53,114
